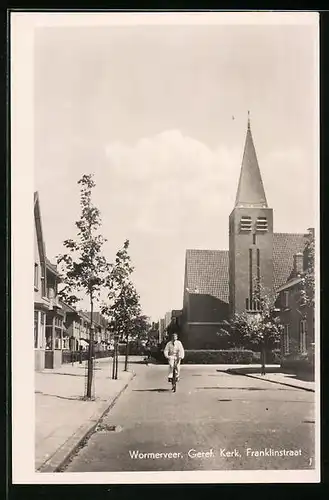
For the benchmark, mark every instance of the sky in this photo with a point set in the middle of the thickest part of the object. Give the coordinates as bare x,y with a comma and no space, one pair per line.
159,115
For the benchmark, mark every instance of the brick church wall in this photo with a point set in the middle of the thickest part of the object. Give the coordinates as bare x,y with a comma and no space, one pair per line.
240,245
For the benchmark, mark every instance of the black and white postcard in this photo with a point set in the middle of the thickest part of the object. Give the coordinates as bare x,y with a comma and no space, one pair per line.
165,247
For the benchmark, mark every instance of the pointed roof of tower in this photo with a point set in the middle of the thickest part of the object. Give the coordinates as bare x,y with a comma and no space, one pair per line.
250,189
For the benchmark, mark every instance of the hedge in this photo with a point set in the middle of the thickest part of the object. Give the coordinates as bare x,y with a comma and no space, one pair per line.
133,349
210,356
296,363
74,356
272,357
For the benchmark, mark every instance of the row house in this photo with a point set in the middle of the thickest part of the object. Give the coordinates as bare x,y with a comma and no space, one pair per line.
48,311
58,326
77,325
101,331
295,315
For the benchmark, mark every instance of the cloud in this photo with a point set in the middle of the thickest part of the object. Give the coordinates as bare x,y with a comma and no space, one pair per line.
172,178
167,193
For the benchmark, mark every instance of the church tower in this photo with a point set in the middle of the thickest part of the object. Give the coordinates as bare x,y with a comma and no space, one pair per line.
250,235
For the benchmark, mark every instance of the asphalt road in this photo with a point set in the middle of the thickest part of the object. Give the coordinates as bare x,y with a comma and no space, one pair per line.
215,421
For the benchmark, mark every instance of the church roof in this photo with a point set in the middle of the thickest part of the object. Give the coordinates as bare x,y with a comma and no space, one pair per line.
285,246
250,191
207,271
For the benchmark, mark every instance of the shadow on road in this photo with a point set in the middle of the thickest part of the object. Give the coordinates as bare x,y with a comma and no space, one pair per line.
305,377
152,390
73,398
238,388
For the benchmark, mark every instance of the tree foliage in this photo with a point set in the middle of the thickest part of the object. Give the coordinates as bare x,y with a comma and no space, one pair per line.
140,327
308,278
83,267
123,302
261,329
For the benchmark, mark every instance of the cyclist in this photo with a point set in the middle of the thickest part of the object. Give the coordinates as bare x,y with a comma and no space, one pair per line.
174,350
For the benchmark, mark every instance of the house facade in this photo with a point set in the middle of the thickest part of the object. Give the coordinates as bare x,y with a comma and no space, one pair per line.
220,283
296,315
48,313
77,328
101,331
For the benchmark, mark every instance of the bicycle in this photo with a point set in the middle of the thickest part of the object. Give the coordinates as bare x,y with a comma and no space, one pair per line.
174,377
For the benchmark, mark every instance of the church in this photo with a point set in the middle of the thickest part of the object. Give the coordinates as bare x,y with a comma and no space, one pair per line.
219,283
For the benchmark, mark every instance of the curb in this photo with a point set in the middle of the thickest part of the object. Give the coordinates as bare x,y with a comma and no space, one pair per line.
271,381
62,456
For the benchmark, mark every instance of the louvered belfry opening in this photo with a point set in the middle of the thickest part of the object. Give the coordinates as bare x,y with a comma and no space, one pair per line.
261,225
245,224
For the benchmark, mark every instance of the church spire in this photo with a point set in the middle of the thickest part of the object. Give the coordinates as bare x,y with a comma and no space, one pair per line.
250,189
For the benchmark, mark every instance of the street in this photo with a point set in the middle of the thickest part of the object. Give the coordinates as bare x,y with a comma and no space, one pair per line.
215,421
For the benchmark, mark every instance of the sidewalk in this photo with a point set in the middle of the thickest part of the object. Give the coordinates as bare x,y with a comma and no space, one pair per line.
62,418
273,375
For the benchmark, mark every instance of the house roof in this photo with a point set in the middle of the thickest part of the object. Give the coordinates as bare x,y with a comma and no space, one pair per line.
97,318
69,309
289,284
38,226
250,191
285,246
207,271
41,243
52,267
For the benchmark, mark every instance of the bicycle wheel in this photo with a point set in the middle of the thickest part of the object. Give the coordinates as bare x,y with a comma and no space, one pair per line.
174,379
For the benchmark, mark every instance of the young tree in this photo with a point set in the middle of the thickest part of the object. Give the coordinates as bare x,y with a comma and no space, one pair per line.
140,327
261,328
123,306
308,280
83,267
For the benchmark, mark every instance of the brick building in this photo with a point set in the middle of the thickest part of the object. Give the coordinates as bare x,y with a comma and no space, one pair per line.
296,314
219,283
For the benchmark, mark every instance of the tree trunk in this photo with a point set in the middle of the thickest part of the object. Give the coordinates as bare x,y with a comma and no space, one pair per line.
126,356
116,361
90,353
263,359
113,362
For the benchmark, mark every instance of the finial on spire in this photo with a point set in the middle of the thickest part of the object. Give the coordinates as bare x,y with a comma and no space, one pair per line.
248,118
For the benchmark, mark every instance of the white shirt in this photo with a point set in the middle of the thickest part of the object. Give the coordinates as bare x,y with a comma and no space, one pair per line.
174,349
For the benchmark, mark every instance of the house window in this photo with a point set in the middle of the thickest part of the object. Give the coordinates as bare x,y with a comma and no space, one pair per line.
36,328
49,337
58,322
286,340
302,335
285,299
58,338
261,225
245,223
36,276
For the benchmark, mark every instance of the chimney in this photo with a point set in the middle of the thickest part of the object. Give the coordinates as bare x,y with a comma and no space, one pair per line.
298,263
